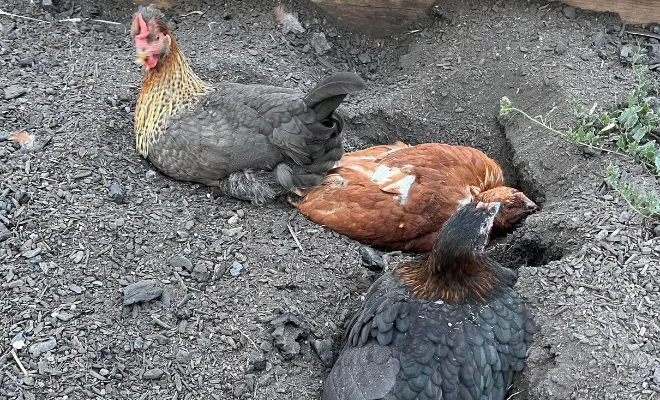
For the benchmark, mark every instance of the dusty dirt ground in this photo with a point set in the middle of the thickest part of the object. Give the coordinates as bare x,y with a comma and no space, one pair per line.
589,266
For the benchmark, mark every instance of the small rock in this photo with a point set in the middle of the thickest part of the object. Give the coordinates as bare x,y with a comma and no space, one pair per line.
236,268
626,52
166,298
150,175
181,261
656,232
286,337
18,341
76,289
371,259
624,217
28,381
155,373
232,220
459,109
364,58
569,12
64,316
31,253
201,273
590,151
523,49
117,193
142,291
138,343
25,62
253,52
14,91
4,233
266,346
323,349
561,48
656,376
40,348
182,356
320,43
218,271
259,362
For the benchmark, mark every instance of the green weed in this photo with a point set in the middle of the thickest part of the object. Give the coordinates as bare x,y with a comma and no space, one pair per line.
630,128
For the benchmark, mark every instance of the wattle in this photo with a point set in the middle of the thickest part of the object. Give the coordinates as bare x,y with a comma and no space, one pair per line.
152,61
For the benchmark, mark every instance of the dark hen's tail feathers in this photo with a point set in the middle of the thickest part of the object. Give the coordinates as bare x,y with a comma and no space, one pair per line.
328,95
312,153
325,146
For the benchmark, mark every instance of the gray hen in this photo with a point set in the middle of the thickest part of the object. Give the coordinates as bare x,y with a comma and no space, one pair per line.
254,142
447,327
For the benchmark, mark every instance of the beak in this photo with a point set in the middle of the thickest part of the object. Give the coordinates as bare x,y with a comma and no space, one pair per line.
494,208
530,206
141,56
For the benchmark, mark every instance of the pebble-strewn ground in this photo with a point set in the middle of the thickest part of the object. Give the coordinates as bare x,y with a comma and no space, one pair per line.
247,298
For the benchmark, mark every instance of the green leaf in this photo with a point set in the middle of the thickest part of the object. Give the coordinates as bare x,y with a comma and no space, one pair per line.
628,117
638,133
621,143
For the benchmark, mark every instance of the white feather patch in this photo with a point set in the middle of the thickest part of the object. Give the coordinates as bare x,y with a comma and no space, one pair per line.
381,173
394,180
467,199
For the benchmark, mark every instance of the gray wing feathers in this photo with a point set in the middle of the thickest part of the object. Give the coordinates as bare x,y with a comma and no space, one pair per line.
237,127
362,373
444,351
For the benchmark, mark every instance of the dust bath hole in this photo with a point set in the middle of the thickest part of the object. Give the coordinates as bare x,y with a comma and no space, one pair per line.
526,244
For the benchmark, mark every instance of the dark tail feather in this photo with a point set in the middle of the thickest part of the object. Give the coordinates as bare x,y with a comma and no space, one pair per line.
328,94
293,180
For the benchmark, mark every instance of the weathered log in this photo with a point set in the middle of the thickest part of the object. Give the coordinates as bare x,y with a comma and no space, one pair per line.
630,11
375,17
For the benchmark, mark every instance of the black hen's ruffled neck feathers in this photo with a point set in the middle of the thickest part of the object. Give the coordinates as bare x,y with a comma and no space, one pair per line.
457,269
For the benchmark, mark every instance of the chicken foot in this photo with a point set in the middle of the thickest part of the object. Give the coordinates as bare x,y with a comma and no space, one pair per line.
259,187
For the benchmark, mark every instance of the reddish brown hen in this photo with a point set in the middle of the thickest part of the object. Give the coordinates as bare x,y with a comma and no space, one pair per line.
396,197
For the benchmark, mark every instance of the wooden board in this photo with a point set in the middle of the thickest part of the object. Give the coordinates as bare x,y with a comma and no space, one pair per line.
630,11
376,18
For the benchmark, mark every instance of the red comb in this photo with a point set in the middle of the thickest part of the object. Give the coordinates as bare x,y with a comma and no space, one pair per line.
144,30
141,38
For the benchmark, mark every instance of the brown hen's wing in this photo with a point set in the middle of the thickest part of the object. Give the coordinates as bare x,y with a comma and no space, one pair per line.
370,154
455,164
399,199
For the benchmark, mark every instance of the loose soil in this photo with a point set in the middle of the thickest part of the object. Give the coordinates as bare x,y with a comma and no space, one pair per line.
252,291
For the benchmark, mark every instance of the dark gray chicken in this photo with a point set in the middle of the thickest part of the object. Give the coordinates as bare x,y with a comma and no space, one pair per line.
254,142
449,326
